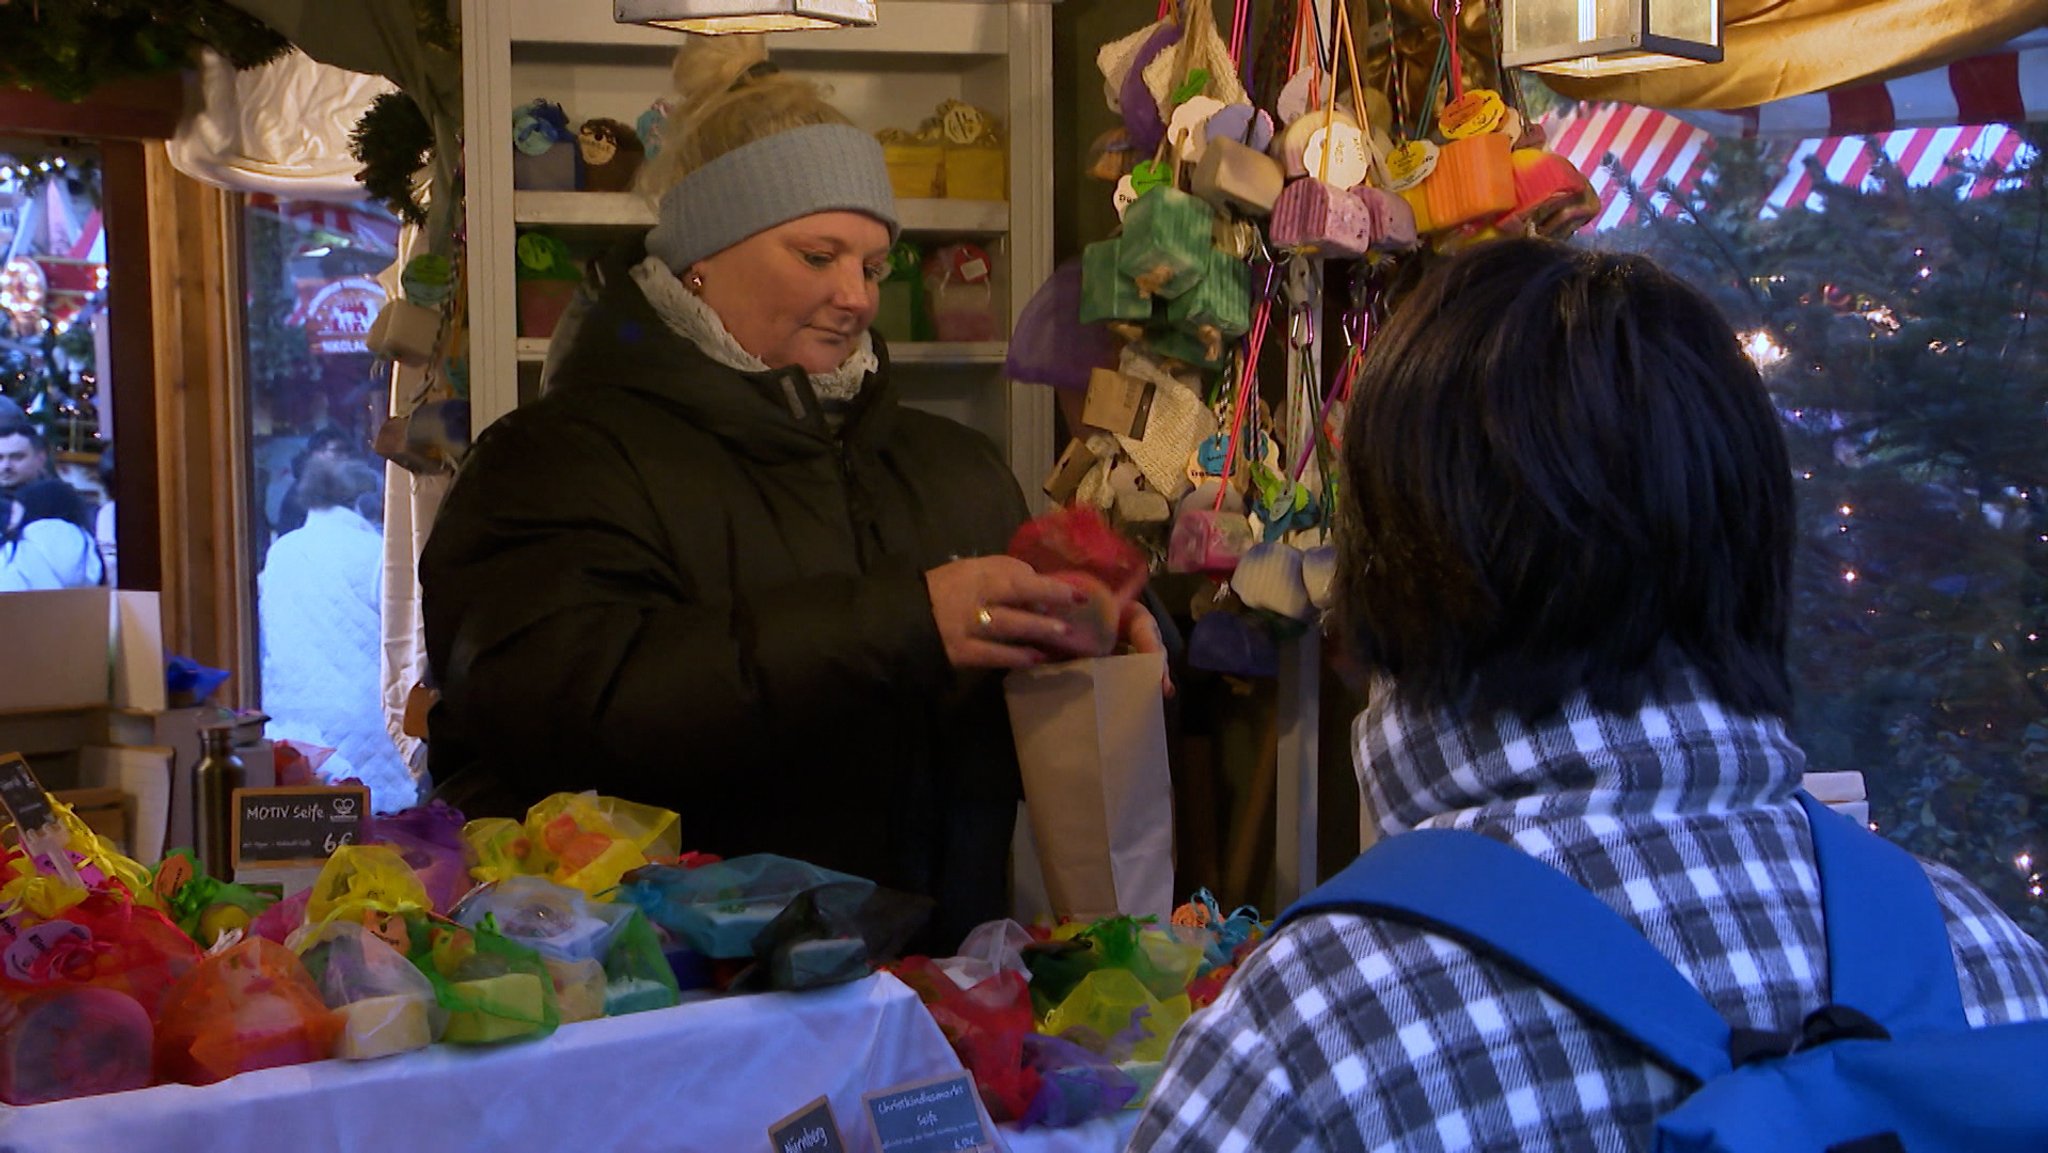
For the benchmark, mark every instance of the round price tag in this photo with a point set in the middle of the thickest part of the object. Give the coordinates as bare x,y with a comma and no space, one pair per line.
1344,147
1150,175
1126,194
171,876
27,960
1186,129
1474,114
1410,164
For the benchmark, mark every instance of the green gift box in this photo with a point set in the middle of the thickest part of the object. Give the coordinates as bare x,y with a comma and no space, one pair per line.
1217,309
1107,294
1166,242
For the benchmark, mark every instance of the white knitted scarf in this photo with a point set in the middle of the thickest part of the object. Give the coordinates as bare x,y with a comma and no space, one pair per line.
690,318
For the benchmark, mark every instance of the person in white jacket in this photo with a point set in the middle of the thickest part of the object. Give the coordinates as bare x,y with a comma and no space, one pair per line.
318,603
39,548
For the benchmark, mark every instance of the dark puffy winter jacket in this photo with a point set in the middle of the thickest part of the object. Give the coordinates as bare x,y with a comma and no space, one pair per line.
671,582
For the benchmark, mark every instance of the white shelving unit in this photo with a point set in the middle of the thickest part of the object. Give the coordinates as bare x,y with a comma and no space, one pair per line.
995,54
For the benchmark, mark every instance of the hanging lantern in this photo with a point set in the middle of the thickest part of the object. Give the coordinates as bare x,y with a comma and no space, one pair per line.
1605,37
717,17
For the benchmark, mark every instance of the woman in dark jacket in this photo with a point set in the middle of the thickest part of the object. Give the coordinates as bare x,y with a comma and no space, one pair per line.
718,566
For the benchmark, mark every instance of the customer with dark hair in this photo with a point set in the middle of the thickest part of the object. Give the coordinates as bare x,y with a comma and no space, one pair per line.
25,464
39,547
327,442
1565,557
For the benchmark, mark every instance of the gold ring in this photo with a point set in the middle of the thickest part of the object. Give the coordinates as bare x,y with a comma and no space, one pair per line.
985,620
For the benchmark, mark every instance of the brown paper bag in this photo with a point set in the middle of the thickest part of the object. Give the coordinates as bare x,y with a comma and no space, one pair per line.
1091,740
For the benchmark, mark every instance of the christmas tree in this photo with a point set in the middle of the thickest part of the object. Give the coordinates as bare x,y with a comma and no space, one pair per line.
1895,327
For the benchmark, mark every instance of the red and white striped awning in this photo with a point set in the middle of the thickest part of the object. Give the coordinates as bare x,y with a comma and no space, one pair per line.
1933,126
1619,144
358,223
2008,86
1980,154
1608,142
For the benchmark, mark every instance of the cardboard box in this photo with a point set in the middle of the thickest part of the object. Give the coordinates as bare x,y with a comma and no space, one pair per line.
81,648
1065,479
1117,403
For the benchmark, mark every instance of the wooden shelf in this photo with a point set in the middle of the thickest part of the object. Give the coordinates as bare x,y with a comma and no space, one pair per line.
534,350
631,210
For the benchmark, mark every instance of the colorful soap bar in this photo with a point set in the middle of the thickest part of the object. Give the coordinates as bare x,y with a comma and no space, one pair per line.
1393,219
1107,294
72,1041
1269,577
1311,216
1165,241
495,1009
1207,540
383,1026
1474,180
1239,179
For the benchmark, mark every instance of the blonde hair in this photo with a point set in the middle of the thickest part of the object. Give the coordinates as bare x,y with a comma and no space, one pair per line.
722,103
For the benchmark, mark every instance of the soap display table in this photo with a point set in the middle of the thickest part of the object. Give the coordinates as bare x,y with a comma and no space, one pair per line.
709,1076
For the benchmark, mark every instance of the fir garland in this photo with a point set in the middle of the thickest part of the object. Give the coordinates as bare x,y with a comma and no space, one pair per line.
66,48
392,142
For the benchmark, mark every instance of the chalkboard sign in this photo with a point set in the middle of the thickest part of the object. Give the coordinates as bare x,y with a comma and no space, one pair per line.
811,1129
23,794
298,825
929,1117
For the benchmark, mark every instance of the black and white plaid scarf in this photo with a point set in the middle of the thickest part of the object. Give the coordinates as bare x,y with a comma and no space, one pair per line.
1355,1034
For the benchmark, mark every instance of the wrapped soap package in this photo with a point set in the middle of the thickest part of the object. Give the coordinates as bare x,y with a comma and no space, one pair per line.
1165,243
429,838
386,1004
553,920
1219,308
719,908
494,990
251,1006
1106,293
72,1041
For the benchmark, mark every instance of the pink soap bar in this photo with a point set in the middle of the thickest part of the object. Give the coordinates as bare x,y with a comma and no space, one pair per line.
1393,219
1314,216
74,1041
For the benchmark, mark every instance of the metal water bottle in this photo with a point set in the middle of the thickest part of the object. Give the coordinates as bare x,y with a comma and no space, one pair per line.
214,782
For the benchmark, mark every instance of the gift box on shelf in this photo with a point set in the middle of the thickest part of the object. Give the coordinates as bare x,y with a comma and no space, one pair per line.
916,167
976,172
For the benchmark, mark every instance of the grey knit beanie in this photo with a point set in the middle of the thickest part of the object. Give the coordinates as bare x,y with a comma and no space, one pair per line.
774,180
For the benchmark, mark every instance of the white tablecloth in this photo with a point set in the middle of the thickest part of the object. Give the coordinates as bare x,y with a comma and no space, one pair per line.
709,1076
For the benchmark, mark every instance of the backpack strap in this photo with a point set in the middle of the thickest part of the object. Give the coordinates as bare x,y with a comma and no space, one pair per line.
1495,899
1888,948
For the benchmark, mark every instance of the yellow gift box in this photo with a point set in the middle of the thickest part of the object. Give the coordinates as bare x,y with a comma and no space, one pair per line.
916,168
976,172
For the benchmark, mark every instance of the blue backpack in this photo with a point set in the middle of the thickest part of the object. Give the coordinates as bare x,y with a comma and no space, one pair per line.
1891,1065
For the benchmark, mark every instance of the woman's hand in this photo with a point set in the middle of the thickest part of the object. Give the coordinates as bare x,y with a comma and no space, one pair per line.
994,612
1139,632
